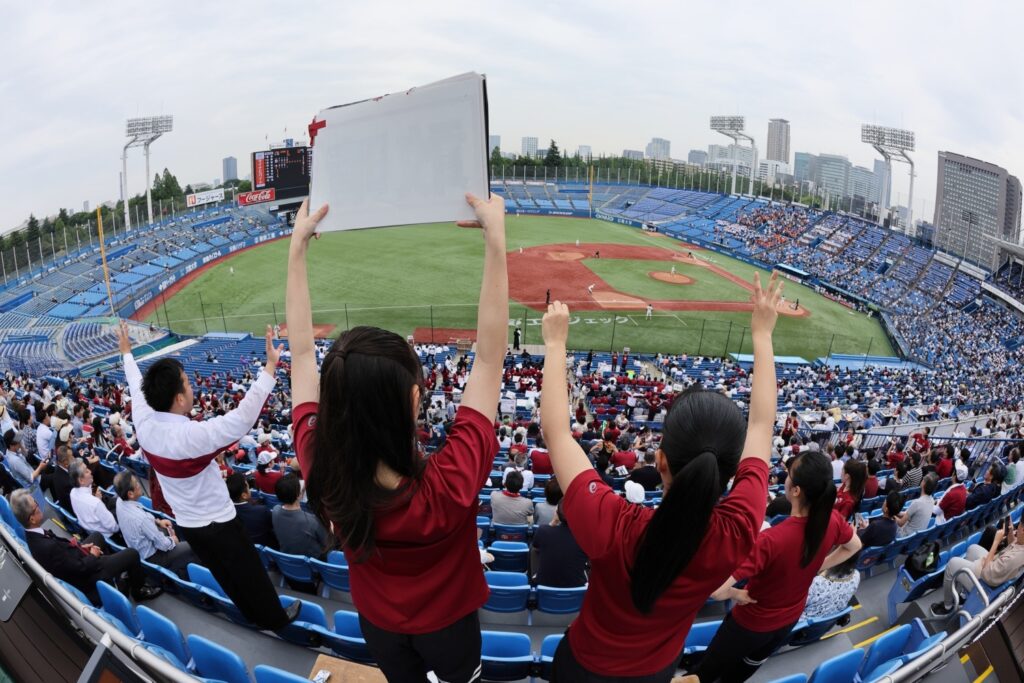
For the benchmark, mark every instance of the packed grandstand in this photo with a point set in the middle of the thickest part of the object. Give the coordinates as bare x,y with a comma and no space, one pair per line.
947,413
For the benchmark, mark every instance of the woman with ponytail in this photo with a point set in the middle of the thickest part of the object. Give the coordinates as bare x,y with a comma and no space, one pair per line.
407,524
851,490
671,558
779,572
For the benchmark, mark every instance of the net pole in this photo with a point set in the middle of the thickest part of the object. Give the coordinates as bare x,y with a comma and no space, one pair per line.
103,260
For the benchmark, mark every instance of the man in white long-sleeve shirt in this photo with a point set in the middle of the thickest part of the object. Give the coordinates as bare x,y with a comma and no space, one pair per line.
87,506
182,452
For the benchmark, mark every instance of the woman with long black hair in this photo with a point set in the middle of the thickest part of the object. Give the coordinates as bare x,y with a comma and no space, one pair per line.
407,524
779,573
652,570
851,488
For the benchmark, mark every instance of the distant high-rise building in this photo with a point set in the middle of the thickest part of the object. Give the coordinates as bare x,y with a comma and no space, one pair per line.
697,156
720,156
862,183
769,169
976,204
805,167
492,142
883,185
85,205
529,147
584,152
834,174
659,148
778,140
633,154
230,168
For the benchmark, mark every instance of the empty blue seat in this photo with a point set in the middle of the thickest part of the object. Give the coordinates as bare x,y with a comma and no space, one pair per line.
560,600
202,576
268,674
510,556
346,640
505,656
547,654
307,630
811,630
907,589
888,647
700,636
161,631
116,604
294,567
510,591
795,678
334,572
214,661
839,669
199,596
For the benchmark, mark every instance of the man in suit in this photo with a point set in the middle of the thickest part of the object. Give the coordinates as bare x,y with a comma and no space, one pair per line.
81,565
256,519
58,482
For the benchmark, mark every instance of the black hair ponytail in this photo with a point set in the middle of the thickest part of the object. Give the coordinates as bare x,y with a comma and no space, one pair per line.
812,472
665,550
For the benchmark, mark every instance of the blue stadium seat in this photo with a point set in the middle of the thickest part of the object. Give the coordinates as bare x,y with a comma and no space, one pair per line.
308,628
906,589
346,640
161,631
117,604
795,678
811,630
841,669
294,567
216,662
509,556
202,576
268,674
201,597
505,656
560,600
888,647
700,636
510,591
547,654
334,572
511,532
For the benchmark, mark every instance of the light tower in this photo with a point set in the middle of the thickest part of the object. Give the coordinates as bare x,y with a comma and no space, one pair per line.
142,132
893,144
732,127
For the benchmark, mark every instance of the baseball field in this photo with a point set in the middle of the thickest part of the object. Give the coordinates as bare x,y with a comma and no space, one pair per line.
424,281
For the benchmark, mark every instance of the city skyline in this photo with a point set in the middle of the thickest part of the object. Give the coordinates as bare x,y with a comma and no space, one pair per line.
59,156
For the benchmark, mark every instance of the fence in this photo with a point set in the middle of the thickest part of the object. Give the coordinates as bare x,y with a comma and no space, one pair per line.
664,332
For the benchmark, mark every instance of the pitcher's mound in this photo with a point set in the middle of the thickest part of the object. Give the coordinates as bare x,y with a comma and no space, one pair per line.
565,256
615,300
671,278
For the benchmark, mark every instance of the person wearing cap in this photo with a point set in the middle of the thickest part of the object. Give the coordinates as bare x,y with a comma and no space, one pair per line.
634,493
265,476
181,453
16,462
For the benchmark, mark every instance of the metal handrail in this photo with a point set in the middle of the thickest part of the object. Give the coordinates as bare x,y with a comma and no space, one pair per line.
133,649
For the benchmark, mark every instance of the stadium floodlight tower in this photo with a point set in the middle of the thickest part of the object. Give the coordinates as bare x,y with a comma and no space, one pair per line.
893,144
141,132
732,127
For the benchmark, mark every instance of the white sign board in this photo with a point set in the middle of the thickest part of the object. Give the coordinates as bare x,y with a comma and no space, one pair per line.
401,159
207,197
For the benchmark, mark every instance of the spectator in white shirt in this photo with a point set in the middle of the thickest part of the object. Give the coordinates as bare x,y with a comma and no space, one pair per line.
45,436
92,514
15,460
519,465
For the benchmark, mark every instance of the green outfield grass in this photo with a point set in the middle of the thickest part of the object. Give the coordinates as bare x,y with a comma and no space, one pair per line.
429,277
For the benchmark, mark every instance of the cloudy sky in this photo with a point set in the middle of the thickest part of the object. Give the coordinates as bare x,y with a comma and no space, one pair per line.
608,74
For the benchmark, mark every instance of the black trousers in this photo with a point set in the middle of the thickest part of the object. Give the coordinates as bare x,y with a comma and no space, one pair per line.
736,653
113,565
566,669
452,653
225,549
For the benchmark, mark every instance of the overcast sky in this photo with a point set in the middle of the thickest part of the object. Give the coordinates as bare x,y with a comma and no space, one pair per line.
608,74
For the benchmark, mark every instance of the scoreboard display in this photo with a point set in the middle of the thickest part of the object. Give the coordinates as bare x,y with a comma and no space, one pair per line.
284,170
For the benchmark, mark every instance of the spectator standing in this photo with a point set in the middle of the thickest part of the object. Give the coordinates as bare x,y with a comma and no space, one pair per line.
679,552
407,525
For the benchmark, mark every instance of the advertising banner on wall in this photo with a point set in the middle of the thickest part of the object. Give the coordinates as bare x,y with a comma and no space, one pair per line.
207,197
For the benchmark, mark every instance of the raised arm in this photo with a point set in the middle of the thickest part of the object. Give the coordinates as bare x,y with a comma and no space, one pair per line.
484,383
763,392
298,312
567,458
141,411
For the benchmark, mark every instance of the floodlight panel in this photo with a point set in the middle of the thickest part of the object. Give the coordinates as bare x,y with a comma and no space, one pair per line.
727,123
162,124
140,126
893,138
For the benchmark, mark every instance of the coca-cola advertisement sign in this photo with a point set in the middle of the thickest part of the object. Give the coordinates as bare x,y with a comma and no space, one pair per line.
256,197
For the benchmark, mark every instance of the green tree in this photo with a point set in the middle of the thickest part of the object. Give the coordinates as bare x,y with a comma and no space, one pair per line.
188,189
245,186
171,187
47,226
32,231
554,157
496,158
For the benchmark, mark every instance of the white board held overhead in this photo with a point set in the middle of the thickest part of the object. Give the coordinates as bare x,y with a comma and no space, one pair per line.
401,159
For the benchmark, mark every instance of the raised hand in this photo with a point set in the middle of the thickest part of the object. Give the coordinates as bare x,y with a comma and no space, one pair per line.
124,342
273,352
766,303
490,215
305,224
556,324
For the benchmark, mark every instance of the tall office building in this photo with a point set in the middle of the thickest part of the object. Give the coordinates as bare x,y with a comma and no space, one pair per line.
697,157
805,167
492,142
659,148
85,205
769,169
976,204
529,147
230,168
862,183
834,174
634,154
883,185
720,156
778,140
584,152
